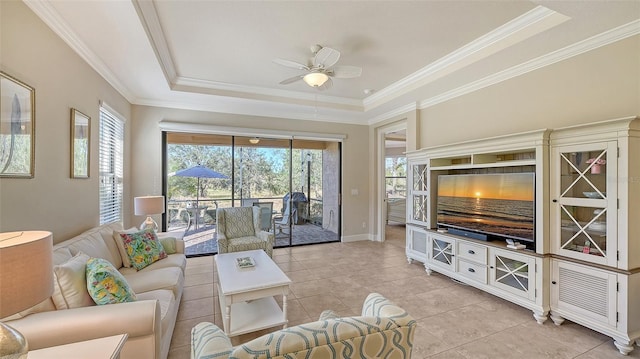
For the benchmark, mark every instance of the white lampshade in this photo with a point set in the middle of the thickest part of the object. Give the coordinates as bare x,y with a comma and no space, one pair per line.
315,79
26,270
148,205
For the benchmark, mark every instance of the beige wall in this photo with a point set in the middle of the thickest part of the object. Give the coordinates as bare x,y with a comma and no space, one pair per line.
146,155
51,201
599,85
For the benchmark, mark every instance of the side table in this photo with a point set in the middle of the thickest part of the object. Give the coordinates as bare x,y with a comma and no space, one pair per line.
101,348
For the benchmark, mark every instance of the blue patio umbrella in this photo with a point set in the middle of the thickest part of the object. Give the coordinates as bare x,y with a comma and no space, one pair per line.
198,172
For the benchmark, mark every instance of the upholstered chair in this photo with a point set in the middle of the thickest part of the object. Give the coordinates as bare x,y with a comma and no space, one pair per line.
384,330
239,229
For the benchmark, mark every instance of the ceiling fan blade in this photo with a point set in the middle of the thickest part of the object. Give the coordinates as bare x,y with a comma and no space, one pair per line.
291,80
345,72
292,64
326,85
326,57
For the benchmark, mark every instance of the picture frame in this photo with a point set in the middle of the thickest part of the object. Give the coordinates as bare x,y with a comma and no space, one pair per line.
80,144
17,128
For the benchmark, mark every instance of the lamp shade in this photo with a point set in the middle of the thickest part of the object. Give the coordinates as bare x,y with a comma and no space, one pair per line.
315,79
148,205
26,270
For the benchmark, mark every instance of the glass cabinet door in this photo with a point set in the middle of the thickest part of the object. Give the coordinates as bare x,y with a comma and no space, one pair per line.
419,193
585,201
514,273
441,251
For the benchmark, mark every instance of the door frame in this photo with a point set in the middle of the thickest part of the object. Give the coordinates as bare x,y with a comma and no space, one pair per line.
380,175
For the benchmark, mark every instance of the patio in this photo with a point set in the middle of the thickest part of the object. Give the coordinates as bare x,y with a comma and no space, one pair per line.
204,239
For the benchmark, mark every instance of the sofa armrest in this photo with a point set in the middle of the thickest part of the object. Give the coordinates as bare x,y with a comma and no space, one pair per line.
223,243
266,236
207,340
58,327
378,306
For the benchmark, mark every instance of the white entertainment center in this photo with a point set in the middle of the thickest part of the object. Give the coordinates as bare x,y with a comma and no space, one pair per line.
583,263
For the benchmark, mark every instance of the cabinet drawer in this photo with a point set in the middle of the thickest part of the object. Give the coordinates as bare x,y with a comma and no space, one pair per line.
472,252
475,271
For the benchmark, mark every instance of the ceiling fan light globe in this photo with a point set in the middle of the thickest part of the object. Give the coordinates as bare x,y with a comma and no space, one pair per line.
315,79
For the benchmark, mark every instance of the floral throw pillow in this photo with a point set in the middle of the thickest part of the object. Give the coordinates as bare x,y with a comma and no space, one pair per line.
143,248
105,284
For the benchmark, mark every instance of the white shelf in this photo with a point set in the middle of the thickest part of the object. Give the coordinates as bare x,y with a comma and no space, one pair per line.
255,315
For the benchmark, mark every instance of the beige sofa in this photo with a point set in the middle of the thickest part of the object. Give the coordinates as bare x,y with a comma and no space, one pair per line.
384,330
149,321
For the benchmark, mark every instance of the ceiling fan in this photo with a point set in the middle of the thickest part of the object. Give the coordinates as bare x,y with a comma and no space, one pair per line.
320,69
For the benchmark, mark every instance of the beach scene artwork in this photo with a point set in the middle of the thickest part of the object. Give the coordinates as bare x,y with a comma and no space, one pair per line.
500,204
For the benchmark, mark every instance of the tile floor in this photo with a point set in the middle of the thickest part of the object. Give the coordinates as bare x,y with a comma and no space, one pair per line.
454,321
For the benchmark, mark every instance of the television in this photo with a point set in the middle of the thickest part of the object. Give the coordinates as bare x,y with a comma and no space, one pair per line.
488,206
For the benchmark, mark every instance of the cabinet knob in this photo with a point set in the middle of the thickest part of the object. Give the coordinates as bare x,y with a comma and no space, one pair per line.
553,282
472,270
471,251
491,267
555,201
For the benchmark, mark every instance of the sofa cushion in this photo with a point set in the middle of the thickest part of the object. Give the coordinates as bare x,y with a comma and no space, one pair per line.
143,248
70,283
61,255
90,243
106,231
117,240
169,244
105,284
172,260
170,278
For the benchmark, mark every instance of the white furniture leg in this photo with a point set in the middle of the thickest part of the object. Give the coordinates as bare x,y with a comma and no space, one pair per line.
541,317
284,311
557,320
624,346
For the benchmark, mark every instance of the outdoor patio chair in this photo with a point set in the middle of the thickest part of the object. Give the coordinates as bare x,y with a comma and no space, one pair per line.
239,229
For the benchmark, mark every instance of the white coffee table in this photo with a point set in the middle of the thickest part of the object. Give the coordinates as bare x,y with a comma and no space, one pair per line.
246,294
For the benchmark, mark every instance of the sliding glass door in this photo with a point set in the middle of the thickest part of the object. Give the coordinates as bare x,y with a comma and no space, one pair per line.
295,182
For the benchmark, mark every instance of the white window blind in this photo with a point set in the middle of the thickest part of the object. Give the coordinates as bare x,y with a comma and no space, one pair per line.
111,158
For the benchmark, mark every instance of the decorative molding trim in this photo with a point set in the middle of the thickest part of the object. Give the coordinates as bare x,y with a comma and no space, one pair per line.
592,43
226,87
45,11
357,238
533,22
261,110
151,23
187,127
393,113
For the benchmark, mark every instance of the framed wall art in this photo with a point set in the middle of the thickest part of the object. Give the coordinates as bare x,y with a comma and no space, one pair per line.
17,128
80,144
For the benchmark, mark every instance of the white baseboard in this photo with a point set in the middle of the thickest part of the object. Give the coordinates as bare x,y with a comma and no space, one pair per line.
356,238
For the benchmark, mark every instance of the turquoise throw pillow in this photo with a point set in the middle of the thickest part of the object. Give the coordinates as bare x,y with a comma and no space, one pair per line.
143,248
105,284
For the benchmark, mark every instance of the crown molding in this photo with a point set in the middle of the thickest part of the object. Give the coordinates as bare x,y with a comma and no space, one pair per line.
531,23
592,43
45,11
261,109
393,113
150,21
223,87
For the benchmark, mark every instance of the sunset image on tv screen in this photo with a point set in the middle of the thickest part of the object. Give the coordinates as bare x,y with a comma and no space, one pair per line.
497,204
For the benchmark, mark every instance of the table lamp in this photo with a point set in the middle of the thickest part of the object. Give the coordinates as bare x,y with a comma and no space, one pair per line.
26,279
148,206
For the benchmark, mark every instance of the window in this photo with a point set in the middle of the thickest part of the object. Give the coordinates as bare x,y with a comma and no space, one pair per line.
111,152
396,177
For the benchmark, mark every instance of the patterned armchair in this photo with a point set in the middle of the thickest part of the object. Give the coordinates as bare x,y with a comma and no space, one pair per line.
383,331
239,230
